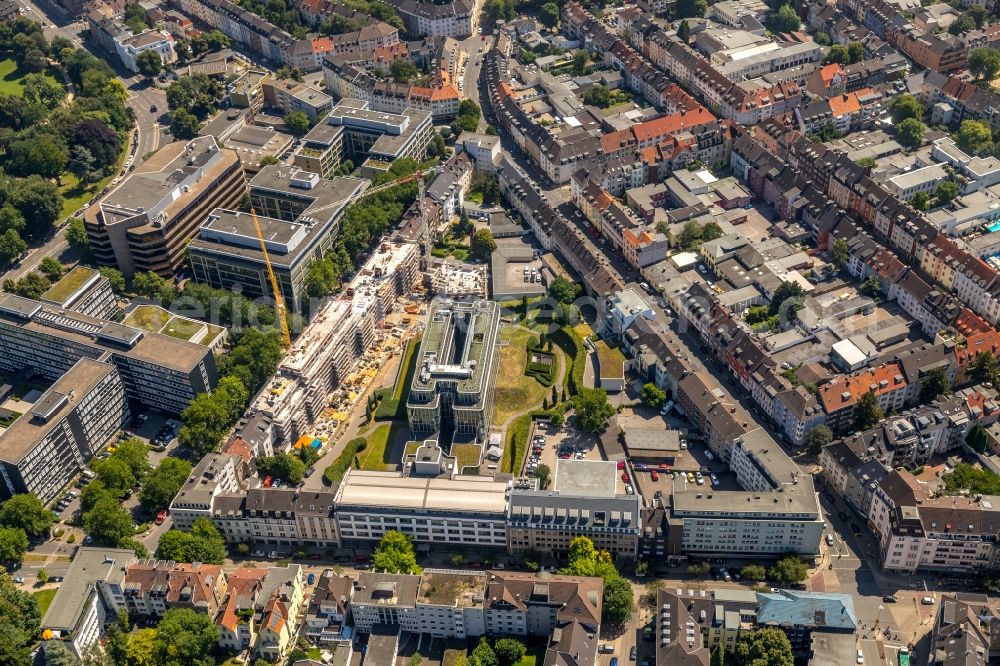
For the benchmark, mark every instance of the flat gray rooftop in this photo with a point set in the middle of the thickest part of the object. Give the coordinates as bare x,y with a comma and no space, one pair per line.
89,566
586,477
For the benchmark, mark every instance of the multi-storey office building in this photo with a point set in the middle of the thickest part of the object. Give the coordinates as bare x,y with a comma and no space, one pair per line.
376,139
777,512
146,222
86,291
467,512
456,371
298,215
584,501
158,371
41,451
288,96
322,150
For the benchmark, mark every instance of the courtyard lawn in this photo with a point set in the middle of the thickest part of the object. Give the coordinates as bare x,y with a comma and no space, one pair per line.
373,457
184,328
611,360
44,598
516,392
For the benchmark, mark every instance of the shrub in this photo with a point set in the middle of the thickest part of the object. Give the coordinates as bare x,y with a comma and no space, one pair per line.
336,471
572,345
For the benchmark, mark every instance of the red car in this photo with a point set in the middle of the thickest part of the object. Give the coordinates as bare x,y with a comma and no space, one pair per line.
625,477
161,515
268,481
621,464
654,476
664,466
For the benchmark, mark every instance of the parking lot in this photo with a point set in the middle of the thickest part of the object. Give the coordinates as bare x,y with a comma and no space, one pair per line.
558,443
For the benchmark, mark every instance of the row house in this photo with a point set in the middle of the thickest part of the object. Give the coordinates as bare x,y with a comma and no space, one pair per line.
839,397
151,587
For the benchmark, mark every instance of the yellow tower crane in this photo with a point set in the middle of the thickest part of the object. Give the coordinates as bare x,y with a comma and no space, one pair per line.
279,300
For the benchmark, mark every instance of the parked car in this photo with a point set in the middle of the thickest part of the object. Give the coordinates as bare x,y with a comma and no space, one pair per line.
654,476
890,599
161,515
927,601
311,578
268,481
56,579
632,654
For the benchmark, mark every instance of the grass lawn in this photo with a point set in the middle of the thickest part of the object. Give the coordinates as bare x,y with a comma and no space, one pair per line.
148,317
69,283
7,417
393,405
44,598
515,390
183,328
373,457
11,77
465,455
75,193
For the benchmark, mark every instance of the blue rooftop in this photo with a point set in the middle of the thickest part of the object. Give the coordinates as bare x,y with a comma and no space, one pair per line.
807,609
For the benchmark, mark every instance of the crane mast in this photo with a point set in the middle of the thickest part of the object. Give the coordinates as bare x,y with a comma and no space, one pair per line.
279,300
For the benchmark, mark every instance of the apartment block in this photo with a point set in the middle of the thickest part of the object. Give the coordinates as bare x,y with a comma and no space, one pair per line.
322,150
287,96
298,214
334,341
145,223
159,41
585,500
458,18
88,597
158,371
215,475
42,450
329,606
152,587
461,513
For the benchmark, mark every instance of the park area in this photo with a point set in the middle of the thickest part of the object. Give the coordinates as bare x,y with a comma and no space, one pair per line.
155,319
12,77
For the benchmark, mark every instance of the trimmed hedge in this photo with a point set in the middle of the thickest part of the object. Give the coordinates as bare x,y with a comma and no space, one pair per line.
517,441
572,344
336,471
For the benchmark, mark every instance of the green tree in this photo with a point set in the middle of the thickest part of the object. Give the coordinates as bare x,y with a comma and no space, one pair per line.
905,106
12,246
867,412
282,466
143,648
684,31
789,569
753,573
163,483
57,654
619,601
115,474
43,576
977,438
108,522
186,636
482,244
549,15
921,201
653,396
26,512
718,655
483,654
580,61
791,292
933,384
403,70
984,367
866,162
32,285
767,646
946,191
152,286
395,554
82,165
910,132
975,137
563,290
962,24
509,651
134,453
298,123
52,268
690,9
13,545
585,560
149,63
598,95
856,51
592,409
816,438
984,63
183,124
544,475
871,288
838,54
76,234
784,20
202,544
